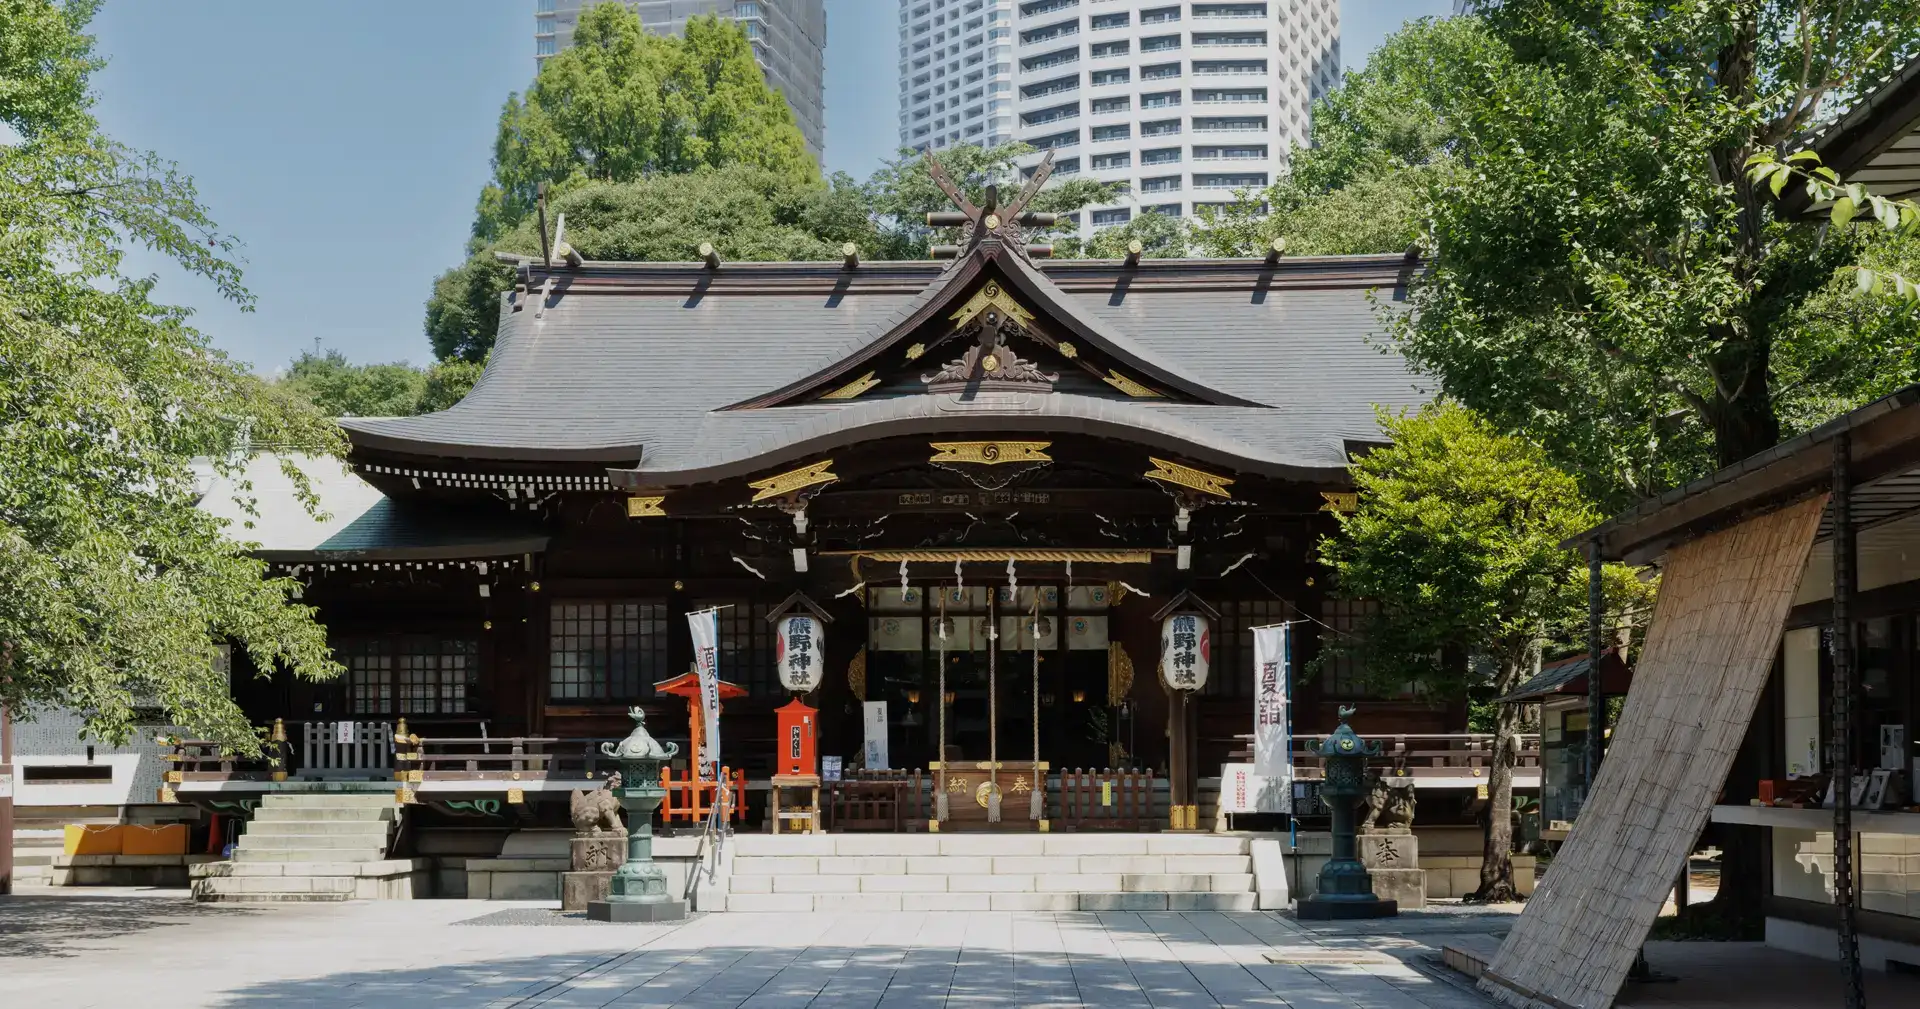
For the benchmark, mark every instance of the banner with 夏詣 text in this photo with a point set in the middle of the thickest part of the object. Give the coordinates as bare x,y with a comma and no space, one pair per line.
1272,679
705,625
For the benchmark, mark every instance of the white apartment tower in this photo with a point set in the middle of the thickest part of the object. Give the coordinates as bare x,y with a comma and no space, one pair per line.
789,39
1183,102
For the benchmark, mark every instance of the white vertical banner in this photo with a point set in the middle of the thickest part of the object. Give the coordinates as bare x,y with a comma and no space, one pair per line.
1270,676
705,625
876,719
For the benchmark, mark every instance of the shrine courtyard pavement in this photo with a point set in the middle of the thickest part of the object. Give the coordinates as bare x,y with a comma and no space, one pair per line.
157,950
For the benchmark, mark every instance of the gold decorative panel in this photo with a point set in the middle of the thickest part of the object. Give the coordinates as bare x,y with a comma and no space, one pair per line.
991,295
1129,386
914,352
639,507
1188,477
1340,501
786,483
990,453
853,388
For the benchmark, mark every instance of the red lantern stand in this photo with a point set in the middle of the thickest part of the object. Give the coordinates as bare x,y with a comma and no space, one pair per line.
691,797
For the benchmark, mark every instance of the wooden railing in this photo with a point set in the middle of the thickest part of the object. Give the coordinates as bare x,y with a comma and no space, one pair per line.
346,749
1107,799
876,800
500,758
690,799
206,760
1434,755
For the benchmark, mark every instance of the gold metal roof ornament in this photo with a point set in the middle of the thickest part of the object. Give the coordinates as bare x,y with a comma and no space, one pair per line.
853,388
995,296
1188,477
989,453
1128,386
782,484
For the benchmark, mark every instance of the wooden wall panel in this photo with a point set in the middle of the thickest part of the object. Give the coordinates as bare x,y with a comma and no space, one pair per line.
1723,600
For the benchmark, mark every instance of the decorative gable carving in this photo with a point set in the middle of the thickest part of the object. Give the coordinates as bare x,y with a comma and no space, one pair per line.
1004,315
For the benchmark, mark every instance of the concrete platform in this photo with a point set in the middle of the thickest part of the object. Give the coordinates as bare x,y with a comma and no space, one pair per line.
125,870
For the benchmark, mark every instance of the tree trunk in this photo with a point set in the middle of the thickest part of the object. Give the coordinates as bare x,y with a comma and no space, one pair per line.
1496,858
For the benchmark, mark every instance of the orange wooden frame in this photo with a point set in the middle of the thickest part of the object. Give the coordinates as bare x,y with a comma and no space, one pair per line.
690,798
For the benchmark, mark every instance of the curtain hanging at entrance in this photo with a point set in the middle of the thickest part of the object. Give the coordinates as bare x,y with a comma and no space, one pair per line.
1723,599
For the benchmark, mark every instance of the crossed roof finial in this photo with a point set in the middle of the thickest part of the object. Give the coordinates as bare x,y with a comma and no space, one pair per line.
979,223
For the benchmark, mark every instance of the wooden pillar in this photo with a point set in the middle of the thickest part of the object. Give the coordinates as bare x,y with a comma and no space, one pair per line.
1179,767
1844,574
6,800
1596,688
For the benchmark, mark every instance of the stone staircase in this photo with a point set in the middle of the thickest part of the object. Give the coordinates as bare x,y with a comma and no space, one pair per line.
991,872
34,848
324,846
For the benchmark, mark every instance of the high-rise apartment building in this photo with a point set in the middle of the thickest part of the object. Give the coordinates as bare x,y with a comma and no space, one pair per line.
1183,102
789,39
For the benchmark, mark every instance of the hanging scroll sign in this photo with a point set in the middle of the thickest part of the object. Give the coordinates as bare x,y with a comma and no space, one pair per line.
800,653
1184,651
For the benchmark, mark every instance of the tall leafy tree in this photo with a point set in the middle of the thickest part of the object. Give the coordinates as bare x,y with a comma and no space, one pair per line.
113,585
621,104
1606,275
1457,541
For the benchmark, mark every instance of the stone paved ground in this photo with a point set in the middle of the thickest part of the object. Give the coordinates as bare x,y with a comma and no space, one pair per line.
157,950
126,950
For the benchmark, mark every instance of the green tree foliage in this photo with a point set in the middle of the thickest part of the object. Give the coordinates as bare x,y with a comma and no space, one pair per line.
1161,236
448,382
621,104
341,389
113,585
1606,276
1457,541
747,213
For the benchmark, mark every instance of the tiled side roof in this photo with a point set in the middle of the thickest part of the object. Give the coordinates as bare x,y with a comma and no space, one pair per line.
358,521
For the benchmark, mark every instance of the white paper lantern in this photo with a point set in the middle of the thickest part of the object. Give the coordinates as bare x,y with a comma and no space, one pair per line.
800,655
1184,651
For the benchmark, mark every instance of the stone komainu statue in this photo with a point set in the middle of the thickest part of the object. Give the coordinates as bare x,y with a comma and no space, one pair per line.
1389,806
597,813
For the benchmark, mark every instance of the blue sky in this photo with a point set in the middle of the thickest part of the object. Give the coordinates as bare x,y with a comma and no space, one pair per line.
344,142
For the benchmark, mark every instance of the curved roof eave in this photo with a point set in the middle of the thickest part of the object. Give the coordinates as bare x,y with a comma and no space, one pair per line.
940,415
363,436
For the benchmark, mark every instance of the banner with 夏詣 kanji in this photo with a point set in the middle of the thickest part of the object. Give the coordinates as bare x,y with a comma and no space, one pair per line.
705,625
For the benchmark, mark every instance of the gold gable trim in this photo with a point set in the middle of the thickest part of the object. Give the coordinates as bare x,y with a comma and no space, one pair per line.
990,453
786,483
1188,477
1129,386
853,388
646,507
991,295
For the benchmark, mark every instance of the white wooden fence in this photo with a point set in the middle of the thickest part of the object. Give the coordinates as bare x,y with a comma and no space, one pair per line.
347,750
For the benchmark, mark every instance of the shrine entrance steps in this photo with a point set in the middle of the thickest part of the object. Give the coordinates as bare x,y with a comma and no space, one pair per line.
991,872
322,846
